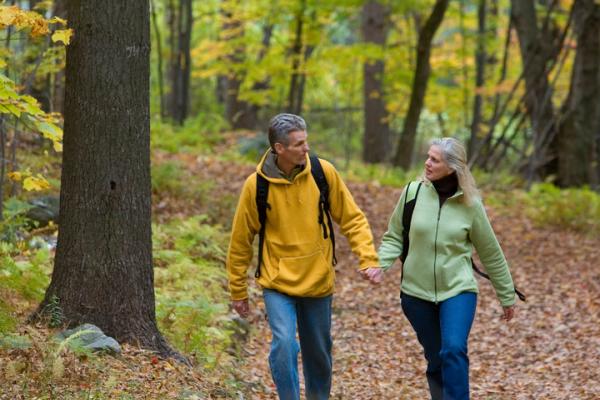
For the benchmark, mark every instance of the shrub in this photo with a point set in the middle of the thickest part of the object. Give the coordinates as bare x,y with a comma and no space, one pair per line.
573,208
191,298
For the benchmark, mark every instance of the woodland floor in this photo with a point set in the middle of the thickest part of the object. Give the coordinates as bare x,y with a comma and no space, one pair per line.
551,350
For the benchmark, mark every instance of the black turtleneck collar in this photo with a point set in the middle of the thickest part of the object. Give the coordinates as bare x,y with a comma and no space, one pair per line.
446,187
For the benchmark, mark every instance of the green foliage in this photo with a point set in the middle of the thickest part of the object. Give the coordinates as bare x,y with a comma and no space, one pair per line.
197,134
191,297
53,312
577,209
383,174
14,220
25,278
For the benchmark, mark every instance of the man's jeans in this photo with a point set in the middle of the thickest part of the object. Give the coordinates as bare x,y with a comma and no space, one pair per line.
443,331
313,318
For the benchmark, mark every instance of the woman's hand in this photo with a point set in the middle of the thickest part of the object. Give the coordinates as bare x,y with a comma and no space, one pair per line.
373,274
509,313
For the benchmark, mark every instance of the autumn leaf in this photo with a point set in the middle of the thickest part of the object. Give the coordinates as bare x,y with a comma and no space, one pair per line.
15,176
35,183
62,35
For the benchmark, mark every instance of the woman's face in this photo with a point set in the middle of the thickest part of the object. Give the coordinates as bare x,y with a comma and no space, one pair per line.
435,166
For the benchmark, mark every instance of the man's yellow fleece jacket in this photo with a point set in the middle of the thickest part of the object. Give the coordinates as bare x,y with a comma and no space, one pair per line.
297,259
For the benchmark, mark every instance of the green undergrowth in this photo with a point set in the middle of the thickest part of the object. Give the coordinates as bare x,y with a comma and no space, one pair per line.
191,294
576,209
196,135
24,276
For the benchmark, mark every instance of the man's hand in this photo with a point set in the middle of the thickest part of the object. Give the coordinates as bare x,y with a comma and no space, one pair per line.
373,274
241,307
509,313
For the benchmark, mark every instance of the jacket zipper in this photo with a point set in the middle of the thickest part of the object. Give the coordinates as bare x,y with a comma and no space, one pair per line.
435,255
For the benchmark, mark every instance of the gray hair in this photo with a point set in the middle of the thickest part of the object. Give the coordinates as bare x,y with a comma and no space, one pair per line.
281,125
455,156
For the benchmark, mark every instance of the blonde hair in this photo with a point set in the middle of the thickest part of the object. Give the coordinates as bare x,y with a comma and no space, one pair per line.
455,156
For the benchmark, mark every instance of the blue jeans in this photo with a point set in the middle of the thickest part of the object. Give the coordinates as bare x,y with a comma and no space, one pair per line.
443,331
313,318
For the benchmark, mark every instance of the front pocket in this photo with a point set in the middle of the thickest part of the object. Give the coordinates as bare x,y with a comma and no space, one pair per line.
309,275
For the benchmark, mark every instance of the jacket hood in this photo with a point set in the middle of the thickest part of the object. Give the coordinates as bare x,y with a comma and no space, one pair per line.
263,161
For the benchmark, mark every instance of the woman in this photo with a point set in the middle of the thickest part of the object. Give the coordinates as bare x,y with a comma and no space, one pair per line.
439,291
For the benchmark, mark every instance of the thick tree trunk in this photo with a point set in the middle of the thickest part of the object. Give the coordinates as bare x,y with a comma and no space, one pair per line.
535,54
578,131
180,22
376,135
103,267
404,152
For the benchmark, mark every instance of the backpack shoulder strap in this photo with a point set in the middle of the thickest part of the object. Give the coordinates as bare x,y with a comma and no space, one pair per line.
262,193
409,208
318,174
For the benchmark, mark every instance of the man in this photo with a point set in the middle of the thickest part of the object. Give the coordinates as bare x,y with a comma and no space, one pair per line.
296,266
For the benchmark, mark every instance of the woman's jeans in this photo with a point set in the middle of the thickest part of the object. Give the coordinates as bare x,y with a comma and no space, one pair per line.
443,331
313,318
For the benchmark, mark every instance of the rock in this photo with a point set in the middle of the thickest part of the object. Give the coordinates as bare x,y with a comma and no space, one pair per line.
91,338
45,209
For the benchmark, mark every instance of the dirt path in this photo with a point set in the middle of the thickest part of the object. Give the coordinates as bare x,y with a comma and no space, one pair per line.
550,351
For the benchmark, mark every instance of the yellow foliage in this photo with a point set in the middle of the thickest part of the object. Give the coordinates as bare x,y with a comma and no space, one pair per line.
62,35
35,183
15,176
21,19
30,183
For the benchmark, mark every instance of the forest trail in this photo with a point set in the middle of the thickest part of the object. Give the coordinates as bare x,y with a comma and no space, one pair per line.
549,351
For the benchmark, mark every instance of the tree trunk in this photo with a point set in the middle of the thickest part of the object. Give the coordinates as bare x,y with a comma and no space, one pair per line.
159,65
180,23
103,267
240,114
58,80
296,56
577,134
480,61
376,135
404,152
537,101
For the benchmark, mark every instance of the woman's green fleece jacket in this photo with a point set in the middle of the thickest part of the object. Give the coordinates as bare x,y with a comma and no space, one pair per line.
438,265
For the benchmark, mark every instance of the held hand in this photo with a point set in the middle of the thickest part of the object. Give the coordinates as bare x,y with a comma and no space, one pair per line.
509,313
373,274
241,307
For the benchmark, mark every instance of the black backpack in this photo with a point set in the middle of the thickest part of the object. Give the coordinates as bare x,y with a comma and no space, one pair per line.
262,192
409,208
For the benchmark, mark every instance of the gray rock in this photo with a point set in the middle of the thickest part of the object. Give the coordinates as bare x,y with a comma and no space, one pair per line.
45,209
91,338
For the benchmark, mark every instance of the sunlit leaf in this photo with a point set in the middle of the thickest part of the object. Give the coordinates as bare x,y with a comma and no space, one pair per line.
63,35
35,183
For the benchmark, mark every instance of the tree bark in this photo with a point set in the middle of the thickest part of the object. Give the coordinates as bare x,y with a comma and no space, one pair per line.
103,267
180,22
240,113
159,64
404,152
376,135
578,157
296,56
299,58
58,80
535,55
480,62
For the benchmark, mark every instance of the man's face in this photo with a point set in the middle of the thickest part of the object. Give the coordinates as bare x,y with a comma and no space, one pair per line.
295,152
